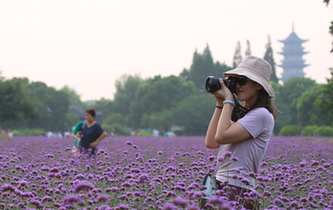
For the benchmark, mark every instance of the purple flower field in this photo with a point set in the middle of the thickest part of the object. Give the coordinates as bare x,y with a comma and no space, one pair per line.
156,173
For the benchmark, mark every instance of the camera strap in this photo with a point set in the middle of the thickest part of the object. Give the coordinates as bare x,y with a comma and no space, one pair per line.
237,109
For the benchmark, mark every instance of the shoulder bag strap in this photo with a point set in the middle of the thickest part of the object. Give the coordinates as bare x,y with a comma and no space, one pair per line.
217,168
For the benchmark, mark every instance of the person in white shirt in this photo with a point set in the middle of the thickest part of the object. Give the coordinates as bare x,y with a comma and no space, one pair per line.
242,144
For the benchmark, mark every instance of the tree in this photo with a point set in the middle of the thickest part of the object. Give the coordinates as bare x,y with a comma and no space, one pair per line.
105,106
1,77
326,103
74,97
126,87
187,115
288,98
71,120
202,66
331,27
157,94
184,115
248,49
185,74
270,59
307,112
53,108
114,118
237,56
17,101
282,118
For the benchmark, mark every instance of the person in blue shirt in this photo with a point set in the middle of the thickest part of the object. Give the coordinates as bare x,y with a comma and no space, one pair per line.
91,134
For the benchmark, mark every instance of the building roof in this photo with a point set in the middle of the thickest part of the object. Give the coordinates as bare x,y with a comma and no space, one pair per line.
293,38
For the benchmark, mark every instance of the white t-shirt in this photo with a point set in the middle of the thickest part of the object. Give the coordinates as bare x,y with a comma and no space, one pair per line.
259,123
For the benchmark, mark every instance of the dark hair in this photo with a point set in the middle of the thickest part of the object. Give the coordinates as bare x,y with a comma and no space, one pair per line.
92,112
263,100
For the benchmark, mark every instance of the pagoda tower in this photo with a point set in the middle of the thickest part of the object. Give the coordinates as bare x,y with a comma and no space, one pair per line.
293,63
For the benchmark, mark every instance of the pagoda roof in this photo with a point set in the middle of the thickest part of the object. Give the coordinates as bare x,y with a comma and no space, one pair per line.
293,38
293,53
293,65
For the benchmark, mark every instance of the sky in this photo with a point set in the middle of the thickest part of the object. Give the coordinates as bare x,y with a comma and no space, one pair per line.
88,45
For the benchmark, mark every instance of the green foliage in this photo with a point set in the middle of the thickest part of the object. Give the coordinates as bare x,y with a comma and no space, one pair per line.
117,129
324,131
194,113
126,88
191,114
307,112
1,77
28,132
325,103
203,66
237,55
248,48
312,130
17,101
331,26
291,130
53,108
309,130
74,97
105,106
157,94
270,59
71,120
161,120
145,133
287,97
114,118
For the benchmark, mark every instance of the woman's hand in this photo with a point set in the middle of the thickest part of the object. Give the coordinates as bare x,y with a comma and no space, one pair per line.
223,94
93,144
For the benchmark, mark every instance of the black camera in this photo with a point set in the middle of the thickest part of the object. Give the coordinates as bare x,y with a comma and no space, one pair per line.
213,84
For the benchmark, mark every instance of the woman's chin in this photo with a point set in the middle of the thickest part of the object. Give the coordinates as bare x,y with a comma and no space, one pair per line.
241,97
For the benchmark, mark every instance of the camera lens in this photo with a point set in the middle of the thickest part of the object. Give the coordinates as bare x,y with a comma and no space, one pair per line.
212,84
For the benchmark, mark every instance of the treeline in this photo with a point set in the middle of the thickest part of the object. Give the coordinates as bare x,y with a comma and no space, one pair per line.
34,105
177,102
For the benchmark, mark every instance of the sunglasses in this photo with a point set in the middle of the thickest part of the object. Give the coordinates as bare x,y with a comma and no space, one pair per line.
241,80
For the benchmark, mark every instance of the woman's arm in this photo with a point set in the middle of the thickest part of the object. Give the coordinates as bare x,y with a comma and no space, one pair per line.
211,131
229,133
100,138
225,132
74,136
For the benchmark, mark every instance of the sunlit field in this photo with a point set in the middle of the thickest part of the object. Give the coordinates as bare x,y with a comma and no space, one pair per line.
156,173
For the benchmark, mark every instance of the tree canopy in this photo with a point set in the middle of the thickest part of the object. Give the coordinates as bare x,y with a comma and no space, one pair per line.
237,56
270,59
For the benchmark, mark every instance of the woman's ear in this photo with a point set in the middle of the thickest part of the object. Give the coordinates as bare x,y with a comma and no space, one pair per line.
259,87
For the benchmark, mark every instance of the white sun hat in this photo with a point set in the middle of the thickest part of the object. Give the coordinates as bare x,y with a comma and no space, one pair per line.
256,69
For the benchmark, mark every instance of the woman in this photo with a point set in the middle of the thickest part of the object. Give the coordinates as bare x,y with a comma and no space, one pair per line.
76,133
91,134
242,144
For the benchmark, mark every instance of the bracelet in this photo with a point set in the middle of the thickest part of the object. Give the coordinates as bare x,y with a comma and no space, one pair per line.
229,102
219,107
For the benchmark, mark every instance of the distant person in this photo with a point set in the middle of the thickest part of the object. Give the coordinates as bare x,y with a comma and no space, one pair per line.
10,134
166,134
156,133
49,134
113,132
132,133
91,134
60,134
76,134
67,134
242,144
